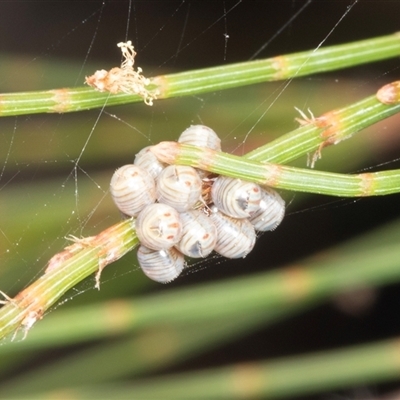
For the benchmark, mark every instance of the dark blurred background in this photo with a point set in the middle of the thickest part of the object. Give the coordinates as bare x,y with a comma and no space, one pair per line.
184,34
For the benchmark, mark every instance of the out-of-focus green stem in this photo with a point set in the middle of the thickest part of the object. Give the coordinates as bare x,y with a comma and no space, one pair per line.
98,251
29,305
294,376
209,79
154,348
308,281
280,176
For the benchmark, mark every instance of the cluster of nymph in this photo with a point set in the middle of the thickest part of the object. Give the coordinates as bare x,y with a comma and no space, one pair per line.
182,211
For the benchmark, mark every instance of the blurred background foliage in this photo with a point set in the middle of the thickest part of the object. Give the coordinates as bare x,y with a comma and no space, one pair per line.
45,195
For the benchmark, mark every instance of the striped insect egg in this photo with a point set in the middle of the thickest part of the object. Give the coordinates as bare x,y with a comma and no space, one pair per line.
199,234
235,197
158,226
160,265
201,136
132,188
148,161
235,237
271,211
179,186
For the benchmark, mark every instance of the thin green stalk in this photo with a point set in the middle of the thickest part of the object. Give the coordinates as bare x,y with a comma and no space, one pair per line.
308,281
152,349
30,304
209,79
390,93
330,128
291,376
68,269
280,68
280,176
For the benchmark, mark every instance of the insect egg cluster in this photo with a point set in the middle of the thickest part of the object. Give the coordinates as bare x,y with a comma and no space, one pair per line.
182,211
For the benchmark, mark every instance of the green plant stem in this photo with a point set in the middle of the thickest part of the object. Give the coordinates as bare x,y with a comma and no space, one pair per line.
209,79
154,348
281,67
312,280
280,176
291,376
390,93
29,305
330,128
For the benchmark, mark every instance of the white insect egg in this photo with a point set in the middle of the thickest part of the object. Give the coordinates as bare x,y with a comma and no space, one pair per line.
235,197
199,234
132,188
160,265
179,186
235,237
271,211
201,136
148,161
159,227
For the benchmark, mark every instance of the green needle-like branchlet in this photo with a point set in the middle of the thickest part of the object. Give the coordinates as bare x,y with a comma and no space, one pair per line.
89,255
279,176
67,270
209,79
